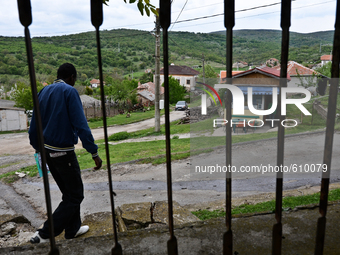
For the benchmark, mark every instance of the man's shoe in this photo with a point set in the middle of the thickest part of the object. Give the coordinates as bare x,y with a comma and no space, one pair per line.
36,238
82,230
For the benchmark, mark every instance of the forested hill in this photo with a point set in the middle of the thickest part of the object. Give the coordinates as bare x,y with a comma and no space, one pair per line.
126,51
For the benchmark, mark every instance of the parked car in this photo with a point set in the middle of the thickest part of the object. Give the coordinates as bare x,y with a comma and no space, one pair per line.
181,106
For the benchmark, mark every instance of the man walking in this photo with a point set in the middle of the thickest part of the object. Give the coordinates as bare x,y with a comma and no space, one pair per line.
63,121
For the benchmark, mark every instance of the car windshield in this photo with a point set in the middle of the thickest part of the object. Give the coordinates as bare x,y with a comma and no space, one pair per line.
181,102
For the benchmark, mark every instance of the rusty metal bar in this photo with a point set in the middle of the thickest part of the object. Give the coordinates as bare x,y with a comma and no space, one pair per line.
25,15
165,21
277,228
229,23
97,20
327,157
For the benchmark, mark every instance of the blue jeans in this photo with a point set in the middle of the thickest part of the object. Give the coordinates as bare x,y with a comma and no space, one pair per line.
65,170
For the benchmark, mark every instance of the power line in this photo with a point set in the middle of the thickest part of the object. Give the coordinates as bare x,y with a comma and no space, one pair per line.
261,14
179,14
220,14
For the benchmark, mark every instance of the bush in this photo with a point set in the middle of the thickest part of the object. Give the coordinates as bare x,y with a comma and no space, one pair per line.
175,137
119,136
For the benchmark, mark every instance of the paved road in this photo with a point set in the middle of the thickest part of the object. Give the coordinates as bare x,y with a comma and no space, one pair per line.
18,143
147,183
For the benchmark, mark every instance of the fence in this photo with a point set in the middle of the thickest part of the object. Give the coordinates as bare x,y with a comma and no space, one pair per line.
96,111
229,22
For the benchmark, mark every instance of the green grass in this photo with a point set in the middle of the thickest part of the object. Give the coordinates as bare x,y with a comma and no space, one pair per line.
121,119
11,177
13,132
141,150
132,151
287,203
174,129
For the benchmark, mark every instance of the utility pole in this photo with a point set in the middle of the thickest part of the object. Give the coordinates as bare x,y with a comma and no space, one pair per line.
203,69
157,74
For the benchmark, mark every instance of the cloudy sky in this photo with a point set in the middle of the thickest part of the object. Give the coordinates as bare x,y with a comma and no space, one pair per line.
60,17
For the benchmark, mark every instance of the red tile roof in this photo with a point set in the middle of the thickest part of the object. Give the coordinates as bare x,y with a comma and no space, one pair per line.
95,81
265,70
294,68
180,70
223,74
150,86
326,58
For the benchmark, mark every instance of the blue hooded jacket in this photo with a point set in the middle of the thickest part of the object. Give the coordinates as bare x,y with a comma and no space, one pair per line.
63,120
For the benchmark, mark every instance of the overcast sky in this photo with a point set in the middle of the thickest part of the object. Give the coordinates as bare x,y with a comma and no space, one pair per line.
60,17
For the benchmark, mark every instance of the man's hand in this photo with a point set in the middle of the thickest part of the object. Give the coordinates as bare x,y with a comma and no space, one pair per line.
98,163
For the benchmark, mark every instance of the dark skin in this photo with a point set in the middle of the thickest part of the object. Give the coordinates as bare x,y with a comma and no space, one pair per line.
97,160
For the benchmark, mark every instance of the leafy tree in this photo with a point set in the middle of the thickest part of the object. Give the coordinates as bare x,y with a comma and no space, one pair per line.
176,91
146,77
22,95
326,69
208,72
88,91
307,81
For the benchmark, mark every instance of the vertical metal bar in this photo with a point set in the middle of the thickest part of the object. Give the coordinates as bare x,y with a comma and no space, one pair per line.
165,21
277,228
25,15
229,23
97,20
327,157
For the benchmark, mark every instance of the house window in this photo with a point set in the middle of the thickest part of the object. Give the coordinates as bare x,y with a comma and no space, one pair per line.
188,82
179,81
257,102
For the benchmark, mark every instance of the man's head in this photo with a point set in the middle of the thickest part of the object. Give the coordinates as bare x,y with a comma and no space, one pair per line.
68,73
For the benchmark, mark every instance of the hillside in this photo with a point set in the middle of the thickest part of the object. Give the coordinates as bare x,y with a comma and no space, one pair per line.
126,51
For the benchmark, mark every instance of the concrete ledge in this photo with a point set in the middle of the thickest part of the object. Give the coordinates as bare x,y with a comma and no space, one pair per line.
252,235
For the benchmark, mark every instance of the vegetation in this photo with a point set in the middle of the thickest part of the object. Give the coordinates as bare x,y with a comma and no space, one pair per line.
126,51
10,177
22,95
287,203
121,119
176,91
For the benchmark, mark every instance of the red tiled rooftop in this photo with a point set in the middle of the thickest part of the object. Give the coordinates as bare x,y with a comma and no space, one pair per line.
326,58
264,69
294,68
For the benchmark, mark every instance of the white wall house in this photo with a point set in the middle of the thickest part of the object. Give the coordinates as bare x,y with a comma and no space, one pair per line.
13,119
183,74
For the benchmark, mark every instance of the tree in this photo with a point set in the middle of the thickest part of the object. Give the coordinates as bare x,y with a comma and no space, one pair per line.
307,81
325,69
146,77
208,72
176,91
22,95
142,5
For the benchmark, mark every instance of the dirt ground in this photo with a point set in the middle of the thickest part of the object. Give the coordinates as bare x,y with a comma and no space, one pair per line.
147,183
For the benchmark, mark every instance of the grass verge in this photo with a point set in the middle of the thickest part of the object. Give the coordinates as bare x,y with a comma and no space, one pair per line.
121,119
11,177
287,203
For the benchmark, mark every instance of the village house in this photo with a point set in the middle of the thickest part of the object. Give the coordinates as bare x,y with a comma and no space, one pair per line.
223,75
183,74
240,64
295,70
95,83
262,80
146,93
303,76
325,59
272,62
